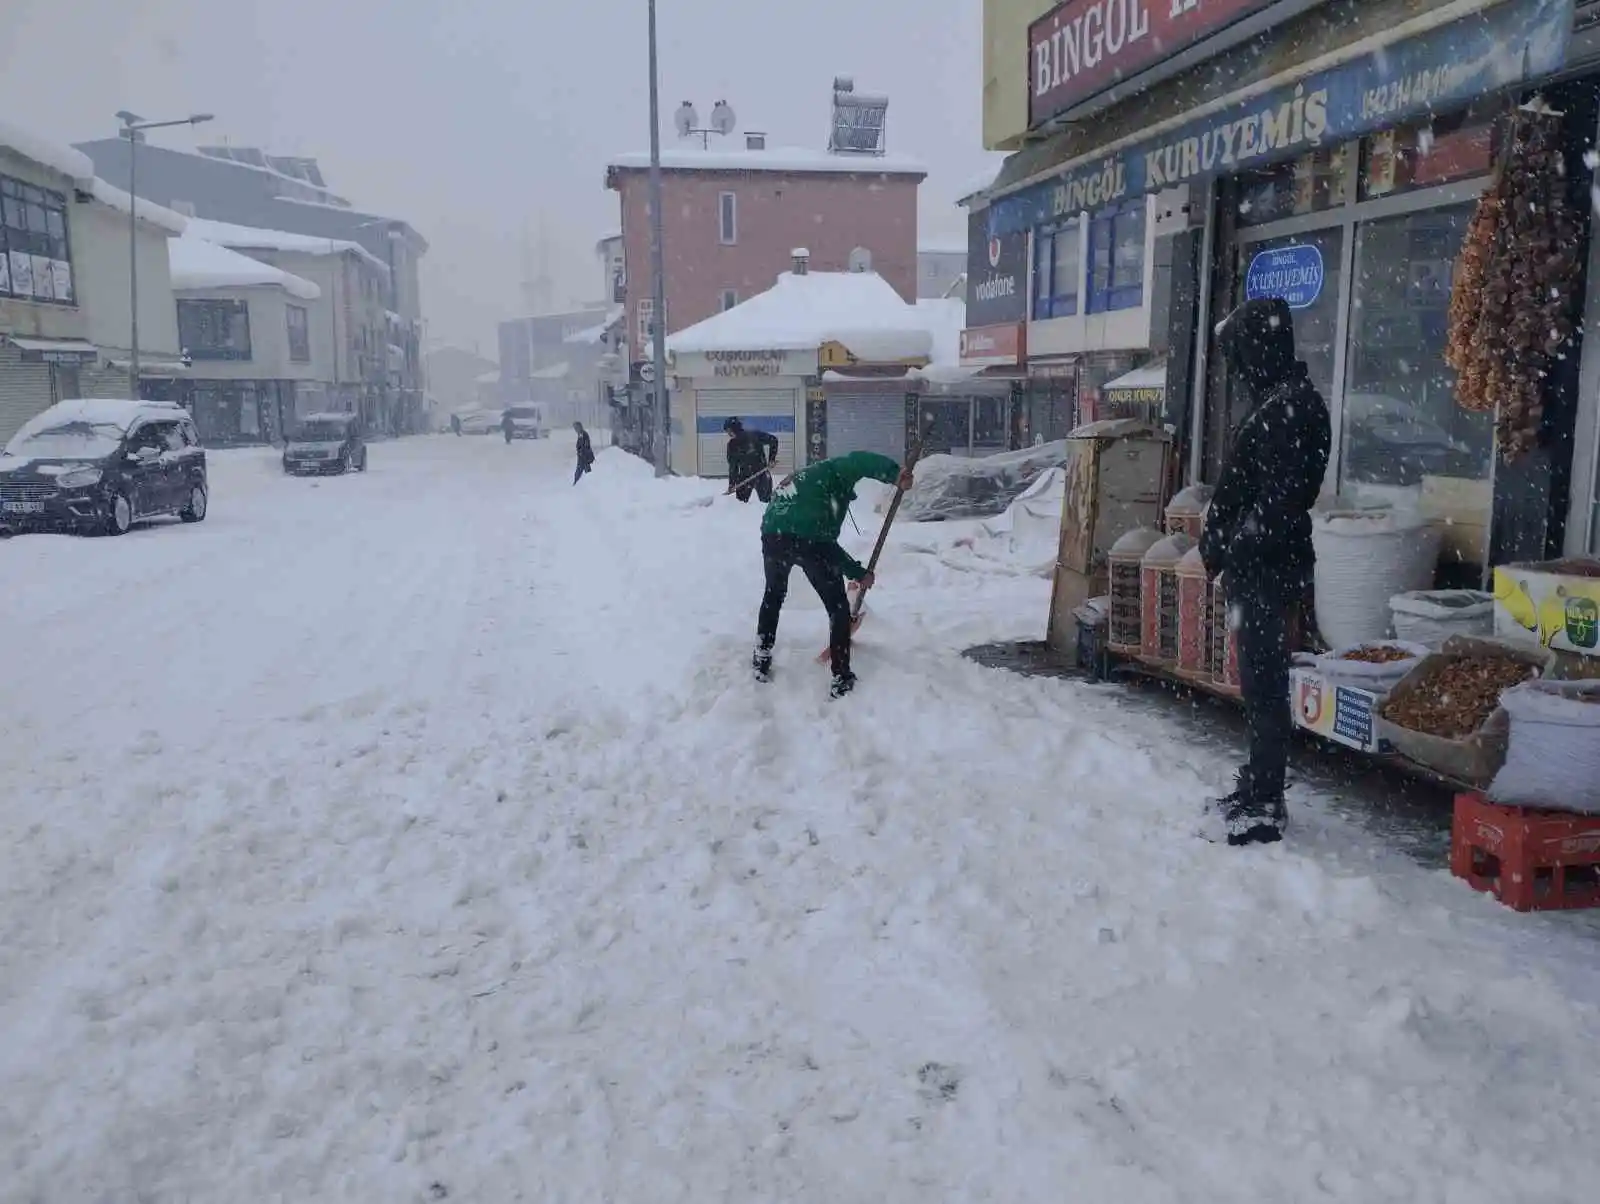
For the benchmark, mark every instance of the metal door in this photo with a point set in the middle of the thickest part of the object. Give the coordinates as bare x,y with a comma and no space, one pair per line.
770,410
873,422
25,391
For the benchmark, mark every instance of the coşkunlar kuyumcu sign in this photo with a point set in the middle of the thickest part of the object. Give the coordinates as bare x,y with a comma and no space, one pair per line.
1082,47
1484,53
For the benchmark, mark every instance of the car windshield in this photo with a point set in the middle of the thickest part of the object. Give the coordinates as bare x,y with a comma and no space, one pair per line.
321,432
69,441
521,413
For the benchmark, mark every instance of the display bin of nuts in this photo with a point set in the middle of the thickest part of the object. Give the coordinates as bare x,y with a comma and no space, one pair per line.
1446,715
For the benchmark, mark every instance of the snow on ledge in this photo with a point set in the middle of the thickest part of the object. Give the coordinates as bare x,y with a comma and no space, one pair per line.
249,238
789,159
57,156
198,264
157,215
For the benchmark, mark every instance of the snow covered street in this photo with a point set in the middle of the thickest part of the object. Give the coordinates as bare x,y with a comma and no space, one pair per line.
420,833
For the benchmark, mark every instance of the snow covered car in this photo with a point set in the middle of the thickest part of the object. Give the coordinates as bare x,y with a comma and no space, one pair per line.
527,422
103,465
476,422
326,443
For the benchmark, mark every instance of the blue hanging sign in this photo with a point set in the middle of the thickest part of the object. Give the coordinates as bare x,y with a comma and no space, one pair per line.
1293,273
1485,53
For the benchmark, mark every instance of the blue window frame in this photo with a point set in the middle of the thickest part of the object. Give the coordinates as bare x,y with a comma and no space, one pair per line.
1056,271
1116,257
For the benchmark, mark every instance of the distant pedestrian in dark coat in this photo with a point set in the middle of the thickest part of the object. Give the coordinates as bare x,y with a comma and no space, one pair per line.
585,453
1258,537
751,454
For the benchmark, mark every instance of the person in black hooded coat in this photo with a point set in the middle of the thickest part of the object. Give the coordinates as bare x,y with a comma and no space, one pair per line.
751,455
1258,538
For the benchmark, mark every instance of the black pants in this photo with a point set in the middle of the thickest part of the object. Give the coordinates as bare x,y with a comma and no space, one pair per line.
762,485
780,554
1265,619
583,467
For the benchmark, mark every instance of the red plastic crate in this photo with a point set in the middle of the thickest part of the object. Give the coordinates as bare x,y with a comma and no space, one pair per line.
1529,859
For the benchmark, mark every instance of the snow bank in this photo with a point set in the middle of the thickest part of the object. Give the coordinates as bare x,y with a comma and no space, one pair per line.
963,487
157,215
802,312
198,264
57,156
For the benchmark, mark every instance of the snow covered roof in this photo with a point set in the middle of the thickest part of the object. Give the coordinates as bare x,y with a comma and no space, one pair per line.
594,334
198,264
952,244
857,309
330,416
946,318
553,372
608,236
692,157
157,215
249,238
99,411
488,378
1152,376
55,155
981,182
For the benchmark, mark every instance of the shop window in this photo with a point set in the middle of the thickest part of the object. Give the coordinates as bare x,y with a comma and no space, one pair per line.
1056,272
1404,438
730,298
1310,184
1116,258
214,330
1426,154
35,260
727,218
299,334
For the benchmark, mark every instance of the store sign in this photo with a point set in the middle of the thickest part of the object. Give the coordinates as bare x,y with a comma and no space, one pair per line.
1082,47
1293,273
743,365
997,274
1481,54
1339,713
992,346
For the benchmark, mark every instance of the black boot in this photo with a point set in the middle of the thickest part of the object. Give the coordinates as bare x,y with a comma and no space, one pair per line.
1239,819
843,683
761,661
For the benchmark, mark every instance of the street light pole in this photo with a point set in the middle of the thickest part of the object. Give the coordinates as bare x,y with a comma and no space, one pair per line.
658,335
133,125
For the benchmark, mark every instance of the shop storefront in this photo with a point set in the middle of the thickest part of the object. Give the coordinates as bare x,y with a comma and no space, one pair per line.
35,373
764,389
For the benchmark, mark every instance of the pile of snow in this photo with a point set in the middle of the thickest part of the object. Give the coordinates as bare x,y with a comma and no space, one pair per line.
960,487
55,155
250,238
801,312
946,318
592,335
198,264
785,159
157,215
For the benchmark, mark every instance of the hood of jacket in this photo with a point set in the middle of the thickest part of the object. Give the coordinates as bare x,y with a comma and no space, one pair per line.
1257,341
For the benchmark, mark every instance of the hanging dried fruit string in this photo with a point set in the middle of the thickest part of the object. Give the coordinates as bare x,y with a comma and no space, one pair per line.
1515,282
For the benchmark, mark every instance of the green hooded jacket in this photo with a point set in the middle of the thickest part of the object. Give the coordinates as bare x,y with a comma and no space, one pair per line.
814,503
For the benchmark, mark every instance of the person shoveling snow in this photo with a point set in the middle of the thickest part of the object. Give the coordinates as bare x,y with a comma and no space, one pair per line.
801,527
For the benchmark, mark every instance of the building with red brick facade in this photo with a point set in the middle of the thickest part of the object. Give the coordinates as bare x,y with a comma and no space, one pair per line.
734,212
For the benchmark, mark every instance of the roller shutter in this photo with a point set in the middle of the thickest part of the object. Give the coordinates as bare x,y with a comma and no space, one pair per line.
103,382
874,422
24,391
770,410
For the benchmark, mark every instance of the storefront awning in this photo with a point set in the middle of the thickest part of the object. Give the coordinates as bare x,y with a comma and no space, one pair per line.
1372,78
54,351
1146,384
151,365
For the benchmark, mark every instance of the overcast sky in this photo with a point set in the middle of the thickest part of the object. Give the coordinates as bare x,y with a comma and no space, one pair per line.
474,119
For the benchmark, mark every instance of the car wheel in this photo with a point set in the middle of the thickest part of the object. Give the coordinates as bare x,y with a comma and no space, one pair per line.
195,511
119,517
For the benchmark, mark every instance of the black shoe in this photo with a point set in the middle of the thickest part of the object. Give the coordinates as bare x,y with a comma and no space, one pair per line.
842,685
1237,819
761,664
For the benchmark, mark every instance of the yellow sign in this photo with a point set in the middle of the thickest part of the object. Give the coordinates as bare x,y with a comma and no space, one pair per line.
1557,604
835,355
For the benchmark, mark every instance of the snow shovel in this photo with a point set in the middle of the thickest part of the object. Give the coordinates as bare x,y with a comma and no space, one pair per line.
858,611
706,501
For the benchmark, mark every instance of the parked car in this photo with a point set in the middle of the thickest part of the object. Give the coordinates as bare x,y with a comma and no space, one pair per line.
326,443
476,422
524,422
101,466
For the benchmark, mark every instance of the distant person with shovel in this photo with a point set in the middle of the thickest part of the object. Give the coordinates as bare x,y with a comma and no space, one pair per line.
751,455
801,527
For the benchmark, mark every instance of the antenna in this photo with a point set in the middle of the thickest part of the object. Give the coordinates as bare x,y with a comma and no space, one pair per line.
722,118
686,119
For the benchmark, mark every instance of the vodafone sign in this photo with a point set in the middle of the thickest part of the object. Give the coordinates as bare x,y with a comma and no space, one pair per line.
1082,47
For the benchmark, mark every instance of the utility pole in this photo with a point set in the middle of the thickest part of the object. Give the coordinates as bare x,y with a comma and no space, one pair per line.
132,126
658,333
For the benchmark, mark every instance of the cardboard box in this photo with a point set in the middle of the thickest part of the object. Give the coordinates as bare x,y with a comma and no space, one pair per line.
1553,604
1343,714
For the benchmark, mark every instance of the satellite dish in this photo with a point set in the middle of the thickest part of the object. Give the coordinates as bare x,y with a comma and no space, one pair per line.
722,118
685,119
